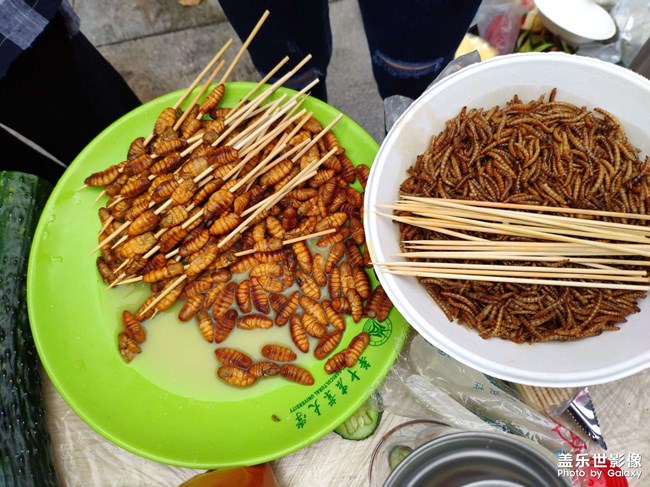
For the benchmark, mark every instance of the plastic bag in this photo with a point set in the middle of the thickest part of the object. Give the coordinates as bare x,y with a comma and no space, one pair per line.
499,22
427,382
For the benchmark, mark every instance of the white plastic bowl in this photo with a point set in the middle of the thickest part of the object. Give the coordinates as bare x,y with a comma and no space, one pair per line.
576,21
579,80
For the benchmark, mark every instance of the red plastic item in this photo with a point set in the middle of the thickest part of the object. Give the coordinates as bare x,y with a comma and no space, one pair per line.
605,476
255,476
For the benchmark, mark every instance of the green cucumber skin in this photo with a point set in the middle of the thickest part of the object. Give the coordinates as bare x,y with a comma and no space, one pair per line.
25,452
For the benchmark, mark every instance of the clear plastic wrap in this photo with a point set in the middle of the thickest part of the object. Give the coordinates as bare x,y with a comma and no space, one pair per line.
427,382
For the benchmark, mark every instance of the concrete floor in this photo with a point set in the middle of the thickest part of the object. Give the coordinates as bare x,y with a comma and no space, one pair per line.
160,46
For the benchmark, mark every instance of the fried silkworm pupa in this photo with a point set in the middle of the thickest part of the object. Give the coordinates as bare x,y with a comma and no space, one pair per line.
347,279
258,297
378,305
132,327
184,192
298,334
289,218
207,190
231,356
327,344
195,287
336,254
202,259
105,270
362,171
235,377
225,324
135,185
194,243
335,220
136,148
171,238
289,307
356,347
141,314
264,368
164,147
243,264
318,270
190,308
224,299
356,304
335,363
313,307
210,102
166,118
339,235
254,321
173,217
206,325
167,165
307,284
143,223
348,173
278,353
361,281
274,227
303,255
104,177
356,231
276,174
313,327
138,245
336,320
225,224
137,165
218,203
352,252
243,296
114,188
170,298
127,346
341,305
296,374
266,269
171,269
271,284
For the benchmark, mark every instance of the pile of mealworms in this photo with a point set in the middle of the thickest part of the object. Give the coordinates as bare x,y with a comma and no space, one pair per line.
544,152
252,218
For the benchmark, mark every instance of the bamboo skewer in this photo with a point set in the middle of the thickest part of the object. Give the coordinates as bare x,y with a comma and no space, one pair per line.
198,95
555,209
550,220
517,280
451,267
238,254
200,176
481,226
503,256
163,206
234,115
244,46
302,176
257,86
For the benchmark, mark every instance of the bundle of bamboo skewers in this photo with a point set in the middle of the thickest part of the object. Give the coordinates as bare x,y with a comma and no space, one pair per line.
213,193
578,251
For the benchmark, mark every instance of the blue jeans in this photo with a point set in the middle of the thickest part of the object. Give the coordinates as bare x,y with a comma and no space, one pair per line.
410,41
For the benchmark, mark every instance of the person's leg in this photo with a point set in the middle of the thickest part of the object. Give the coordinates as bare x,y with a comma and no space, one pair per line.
411,41
294,28
60,94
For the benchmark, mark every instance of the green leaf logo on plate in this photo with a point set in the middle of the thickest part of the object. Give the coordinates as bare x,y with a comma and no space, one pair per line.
379,331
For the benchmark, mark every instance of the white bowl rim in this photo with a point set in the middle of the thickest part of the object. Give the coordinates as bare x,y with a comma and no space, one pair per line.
391,282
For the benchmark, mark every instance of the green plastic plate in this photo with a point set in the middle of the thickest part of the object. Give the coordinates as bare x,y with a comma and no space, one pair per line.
167,404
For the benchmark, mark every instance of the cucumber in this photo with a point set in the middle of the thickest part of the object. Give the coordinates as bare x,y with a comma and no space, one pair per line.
363,422
25,454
